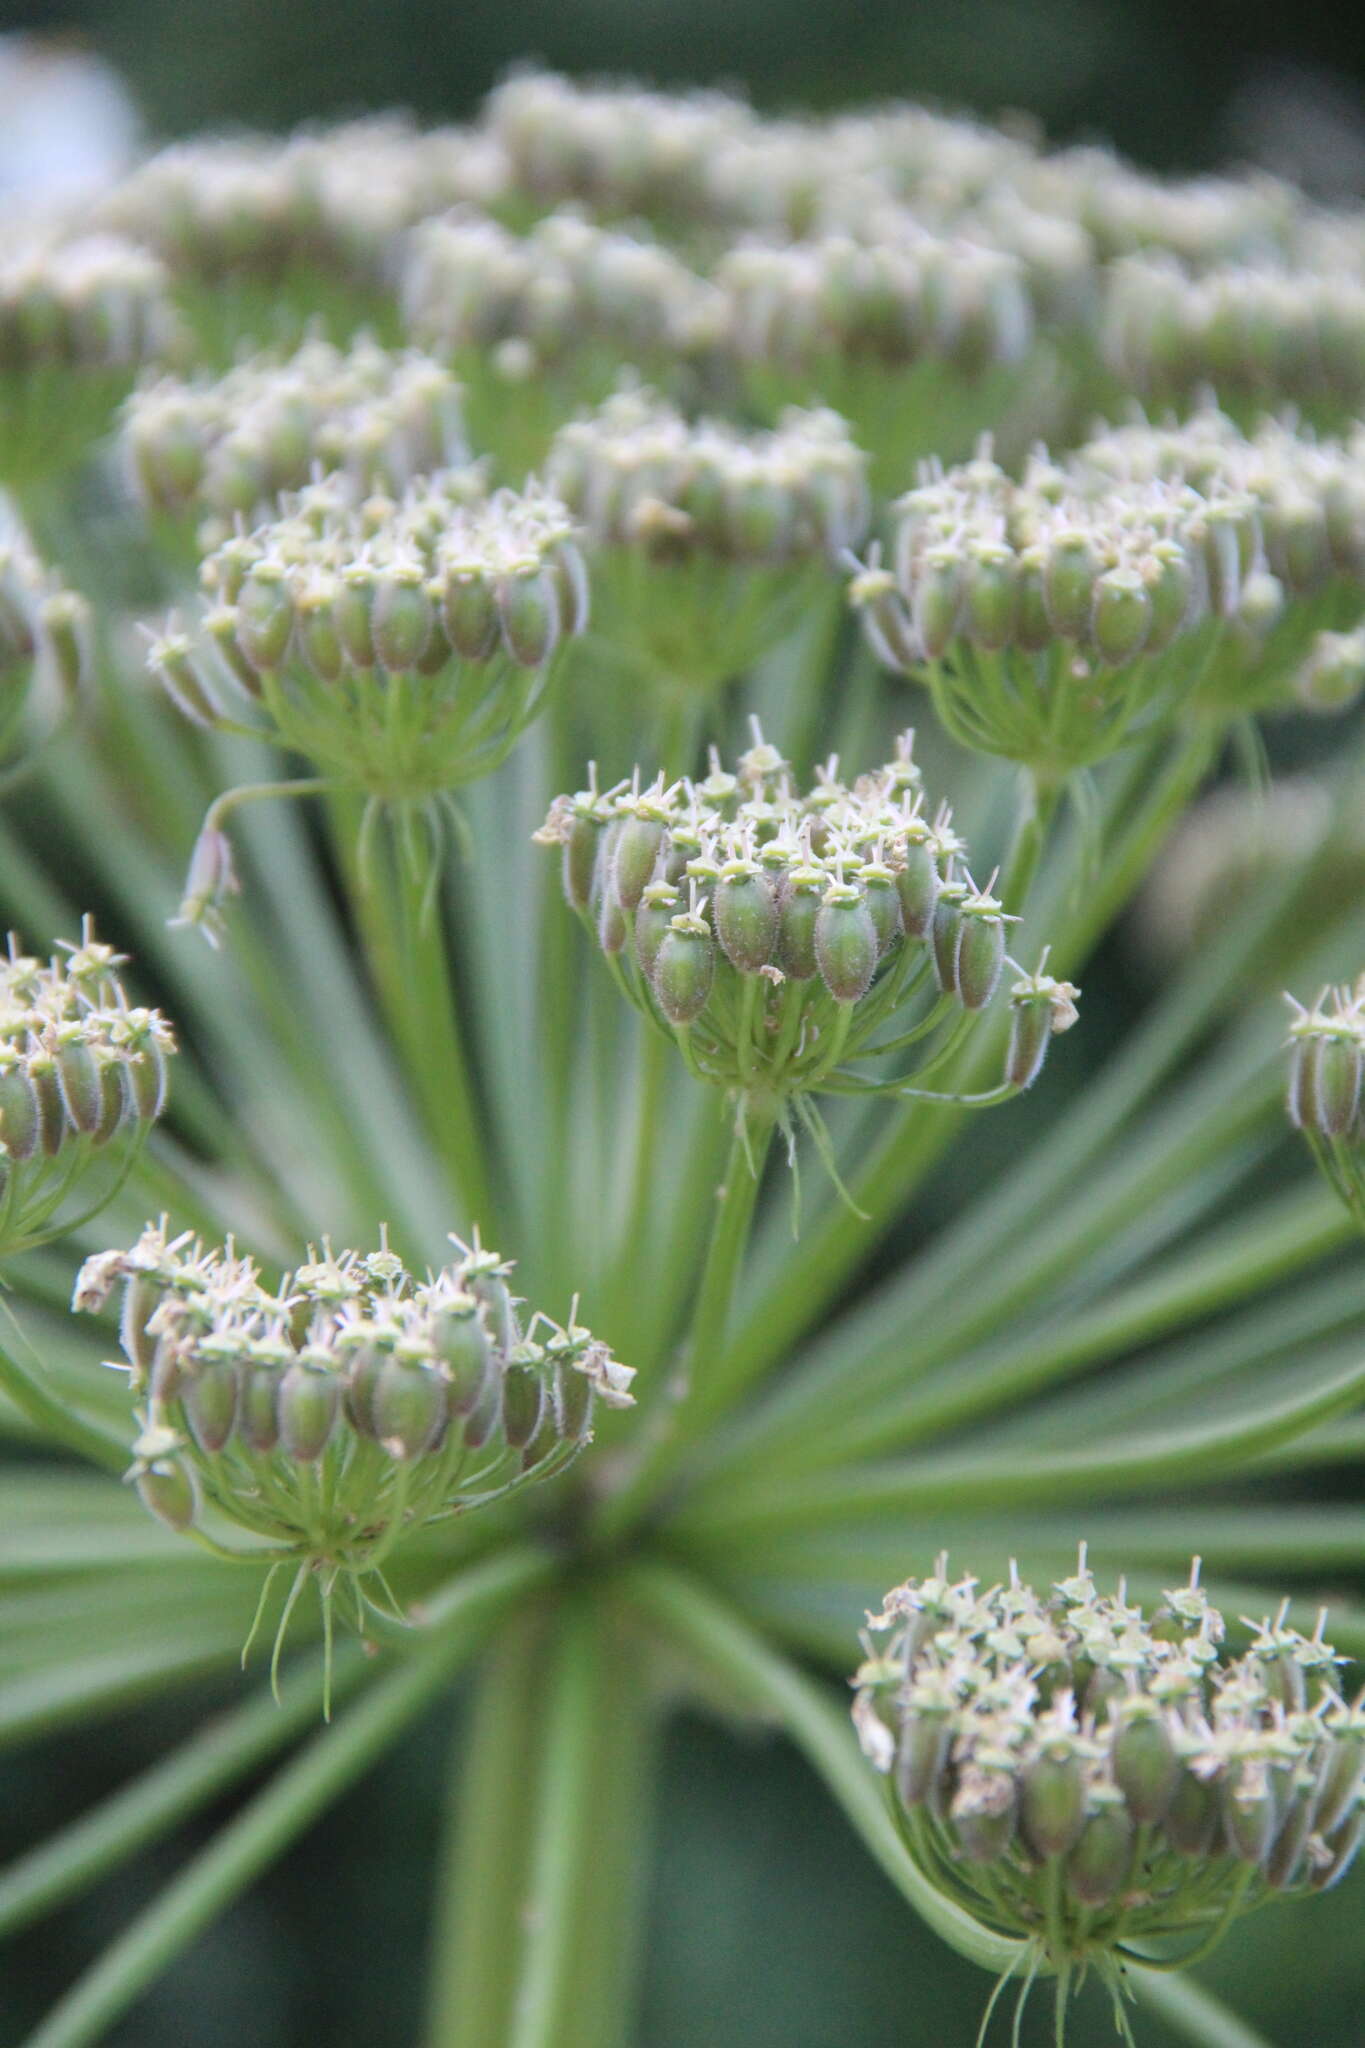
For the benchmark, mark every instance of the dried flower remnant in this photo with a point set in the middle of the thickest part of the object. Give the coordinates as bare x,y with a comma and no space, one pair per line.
332,1416
783,939
230,446
400,646
1104,1785
699,532
83,1077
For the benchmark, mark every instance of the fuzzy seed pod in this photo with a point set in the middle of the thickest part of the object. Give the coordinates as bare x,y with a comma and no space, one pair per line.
528,611
1069,571
938,598
401,622
1192,1820
523,1397
265,618
80,1078
798,909
470,610
1122,616
1145,1767
20,1120
883,903
992,595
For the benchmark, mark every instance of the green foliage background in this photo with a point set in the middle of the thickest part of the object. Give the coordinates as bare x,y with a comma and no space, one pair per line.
767,1925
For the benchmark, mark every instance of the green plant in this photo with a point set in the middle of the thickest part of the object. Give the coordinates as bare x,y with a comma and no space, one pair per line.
1113,1311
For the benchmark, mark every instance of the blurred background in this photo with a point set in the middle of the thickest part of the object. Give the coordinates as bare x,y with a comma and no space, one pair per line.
766,1925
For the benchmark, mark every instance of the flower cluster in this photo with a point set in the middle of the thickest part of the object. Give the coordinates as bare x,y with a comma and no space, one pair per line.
83,1075
626,149
1088,1778
1262,330
335,1413
468,283
777,934
1053,614
44,638
93,302
401,645
231,445
696,526
331,201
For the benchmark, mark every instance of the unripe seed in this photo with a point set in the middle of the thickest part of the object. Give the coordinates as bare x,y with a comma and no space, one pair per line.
523,1395
992,595
528,610
80,1078
1145,1767
917,885
462,1346
1098,1864
979,956
409,1406
1336,1084
169,1490
1069,570
946,926
746,919
351,608
20,1119
1340,1782
52,1127
579,861
1122,616
798,910
258,1418
845,943
265,618
401,623
470,609
657,909
1284,1865
611,918
115,1100
883,903
1250,1817
937,600
921,1753
209,1398
636,851
684,970
310,1397
1030,1035
1052,1804
1191,1822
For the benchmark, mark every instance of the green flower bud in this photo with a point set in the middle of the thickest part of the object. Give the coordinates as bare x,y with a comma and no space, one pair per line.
684,969
746,917
310,1396
1098,1864
1121,617
408,1406
845,943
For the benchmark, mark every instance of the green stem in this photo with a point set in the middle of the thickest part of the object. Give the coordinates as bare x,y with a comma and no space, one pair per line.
560,1889
724,1646
731,1223
257,1835
477,1919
